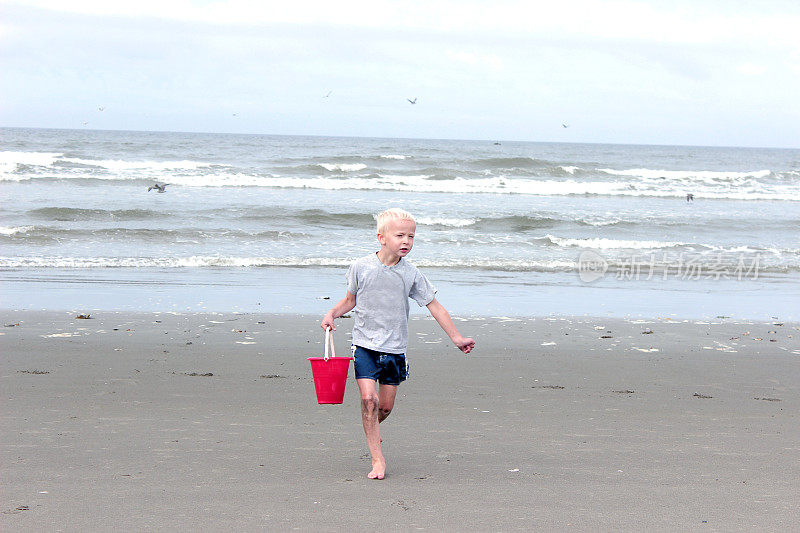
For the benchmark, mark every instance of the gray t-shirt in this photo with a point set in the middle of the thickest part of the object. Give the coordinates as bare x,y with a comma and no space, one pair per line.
382,293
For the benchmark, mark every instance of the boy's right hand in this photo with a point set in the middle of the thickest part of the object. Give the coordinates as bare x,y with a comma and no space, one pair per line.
347,303
327,323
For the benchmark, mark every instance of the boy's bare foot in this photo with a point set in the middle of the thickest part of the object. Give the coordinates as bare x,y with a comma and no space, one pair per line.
378,470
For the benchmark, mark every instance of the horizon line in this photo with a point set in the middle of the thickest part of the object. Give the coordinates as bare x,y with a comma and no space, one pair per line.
399,138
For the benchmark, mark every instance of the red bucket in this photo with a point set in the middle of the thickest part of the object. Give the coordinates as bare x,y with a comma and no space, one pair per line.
330,374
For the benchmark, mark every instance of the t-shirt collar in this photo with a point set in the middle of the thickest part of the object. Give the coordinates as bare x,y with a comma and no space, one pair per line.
378,259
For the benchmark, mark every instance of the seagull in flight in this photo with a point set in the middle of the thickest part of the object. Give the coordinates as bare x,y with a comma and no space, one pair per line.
414,101
101,108
158,187
327,95
564,125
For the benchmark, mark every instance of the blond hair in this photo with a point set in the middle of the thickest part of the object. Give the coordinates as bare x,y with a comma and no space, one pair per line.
395,213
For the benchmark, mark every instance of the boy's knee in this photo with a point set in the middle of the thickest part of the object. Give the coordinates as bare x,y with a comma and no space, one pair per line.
369,404
384,411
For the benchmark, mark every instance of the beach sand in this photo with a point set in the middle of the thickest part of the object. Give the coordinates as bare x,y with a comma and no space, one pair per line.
208,422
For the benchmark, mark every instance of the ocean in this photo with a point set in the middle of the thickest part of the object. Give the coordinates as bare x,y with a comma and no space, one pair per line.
270,223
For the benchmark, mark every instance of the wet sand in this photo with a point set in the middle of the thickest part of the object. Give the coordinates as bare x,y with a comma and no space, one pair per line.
208,422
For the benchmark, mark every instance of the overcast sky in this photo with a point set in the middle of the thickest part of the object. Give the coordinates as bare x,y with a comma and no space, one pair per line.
652,72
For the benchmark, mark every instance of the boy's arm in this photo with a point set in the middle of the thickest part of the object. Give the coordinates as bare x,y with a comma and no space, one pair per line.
345,304
465,344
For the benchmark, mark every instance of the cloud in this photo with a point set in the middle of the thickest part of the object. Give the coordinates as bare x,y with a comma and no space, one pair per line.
673,22
479,69
751,69
473,59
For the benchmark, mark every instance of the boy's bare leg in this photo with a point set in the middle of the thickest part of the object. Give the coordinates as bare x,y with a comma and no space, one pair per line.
371,418
386,396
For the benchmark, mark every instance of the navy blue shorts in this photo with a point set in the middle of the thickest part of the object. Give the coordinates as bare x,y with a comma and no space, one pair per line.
385,368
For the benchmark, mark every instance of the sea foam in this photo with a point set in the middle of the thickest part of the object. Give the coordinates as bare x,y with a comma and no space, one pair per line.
14,230
611,244
464,263
342,167
493,176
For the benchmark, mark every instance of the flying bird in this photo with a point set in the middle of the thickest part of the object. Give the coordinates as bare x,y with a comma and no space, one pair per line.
327,95
158,187
564,125
101,108
414,101
84,123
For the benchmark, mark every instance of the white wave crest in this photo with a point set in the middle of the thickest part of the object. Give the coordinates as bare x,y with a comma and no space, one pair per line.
709,176
500,185
612,244
29,158
451,222
190,174
401,179
342,167
468,263
54,162
117,165
251,262
599,221
394,156
10,161
15,229
167,262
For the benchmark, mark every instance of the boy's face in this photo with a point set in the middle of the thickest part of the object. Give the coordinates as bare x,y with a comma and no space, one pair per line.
398,238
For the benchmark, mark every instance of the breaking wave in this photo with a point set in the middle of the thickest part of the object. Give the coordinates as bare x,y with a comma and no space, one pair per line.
401,173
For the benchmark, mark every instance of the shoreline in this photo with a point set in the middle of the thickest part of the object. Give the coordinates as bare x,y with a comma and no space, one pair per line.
461,292
208,421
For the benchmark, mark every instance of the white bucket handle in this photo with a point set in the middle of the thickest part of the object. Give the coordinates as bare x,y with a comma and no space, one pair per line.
329,342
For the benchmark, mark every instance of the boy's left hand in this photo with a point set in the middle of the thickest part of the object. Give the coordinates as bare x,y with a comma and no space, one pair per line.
465,344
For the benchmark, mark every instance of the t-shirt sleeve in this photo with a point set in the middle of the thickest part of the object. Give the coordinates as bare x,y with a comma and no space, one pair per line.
352,279
422,291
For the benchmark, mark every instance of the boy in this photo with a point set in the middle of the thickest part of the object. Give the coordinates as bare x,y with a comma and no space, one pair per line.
378,287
